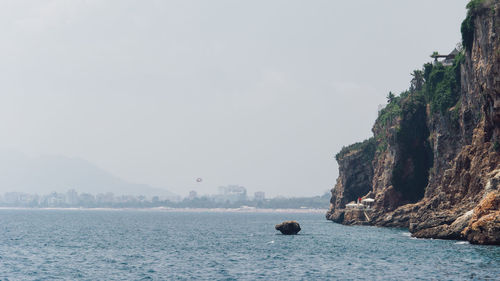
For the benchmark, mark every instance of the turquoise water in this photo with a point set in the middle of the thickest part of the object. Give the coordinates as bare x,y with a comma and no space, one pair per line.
159,245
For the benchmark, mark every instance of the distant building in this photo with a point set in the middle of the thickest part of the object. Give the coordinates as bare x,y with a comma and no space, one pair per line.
232,193
86,199
55,199
259,196
192,195
12,197
19,199
72,197
107,197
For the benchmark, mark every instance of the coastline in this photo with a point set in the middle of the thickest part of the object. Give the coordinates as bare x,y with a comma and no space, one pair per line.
167,209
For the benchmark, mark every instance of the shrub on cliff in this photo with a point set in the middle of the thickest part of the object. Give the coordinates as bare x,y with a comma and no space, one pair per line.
367,147
390,112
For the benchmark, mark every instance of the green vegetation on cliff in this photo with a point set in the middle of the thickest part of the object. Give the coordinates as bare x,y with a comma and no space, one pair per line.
389,113
367,147
442,85
467,28
436,84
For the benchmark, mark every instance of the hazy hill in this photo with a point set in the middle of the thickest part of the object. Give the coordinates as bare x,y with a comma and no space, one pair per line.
49,173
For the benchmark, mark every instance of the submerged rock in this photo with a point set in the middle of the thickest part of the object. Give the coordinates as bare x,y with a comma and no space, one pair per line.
288,227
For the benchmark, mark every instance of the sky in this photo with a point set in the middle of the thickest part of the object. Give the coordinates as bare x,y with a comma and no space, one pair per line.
261,94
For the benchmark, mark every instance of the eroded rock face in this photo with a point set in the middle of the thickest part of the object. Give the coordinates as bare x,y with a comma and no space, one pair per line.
484,226
458,197
288,227
467,161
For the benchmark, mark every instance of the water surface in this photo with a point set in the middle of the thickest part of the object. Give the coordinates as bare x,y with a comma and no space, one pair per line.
157,245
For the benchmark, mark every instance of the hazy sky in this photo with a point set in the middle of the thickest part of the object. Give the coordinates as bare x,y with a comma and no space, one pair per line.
256,93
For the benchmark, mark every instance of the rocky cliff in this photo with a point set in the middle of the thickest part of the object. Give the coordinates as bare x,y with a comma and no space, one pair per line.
433,164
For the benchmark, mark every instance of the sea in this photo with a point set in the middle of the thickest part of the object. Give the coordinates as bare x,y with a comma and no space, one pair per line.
224,245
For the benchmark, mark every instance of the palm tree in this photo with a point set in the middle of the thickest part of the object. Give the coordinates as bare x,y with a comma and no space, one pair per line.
390,97
417,82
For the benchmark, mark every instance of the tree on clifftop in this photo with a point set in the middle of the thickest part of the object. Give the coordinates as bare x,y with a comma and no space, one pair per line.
390,97
417,82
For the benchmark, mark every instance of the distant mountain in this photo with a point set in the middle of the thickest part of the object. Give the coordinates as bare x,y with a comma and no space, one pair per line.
50,173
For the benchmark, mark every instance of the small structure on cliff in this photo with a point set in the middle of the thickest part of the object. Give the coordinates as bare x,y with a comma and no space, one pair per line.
448,59
354,205
368,202
364,204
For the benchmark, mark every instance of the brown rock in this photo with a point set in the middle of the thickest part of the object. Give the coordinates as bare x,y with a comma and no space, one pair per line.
288,227
484,227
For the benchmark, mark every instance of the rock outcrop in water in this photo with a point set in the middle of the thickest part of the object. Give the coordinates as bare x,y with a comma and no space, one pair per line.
433,164
288,227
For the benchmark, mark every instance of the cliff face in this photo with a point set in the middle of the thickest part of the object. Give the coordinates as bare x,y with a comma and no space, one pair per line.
436,169
356,173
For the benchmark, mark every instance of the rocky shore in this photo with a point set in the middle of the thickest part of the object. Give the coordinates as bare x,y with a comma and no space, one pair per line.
433,163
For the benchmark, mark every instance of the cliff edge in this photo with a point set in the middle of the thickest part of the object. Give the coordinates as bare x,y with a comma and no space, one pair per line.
433,163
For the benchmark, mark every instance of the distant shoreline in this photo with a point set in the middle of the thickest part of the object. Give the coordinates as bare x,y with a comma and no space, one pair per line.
193,210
